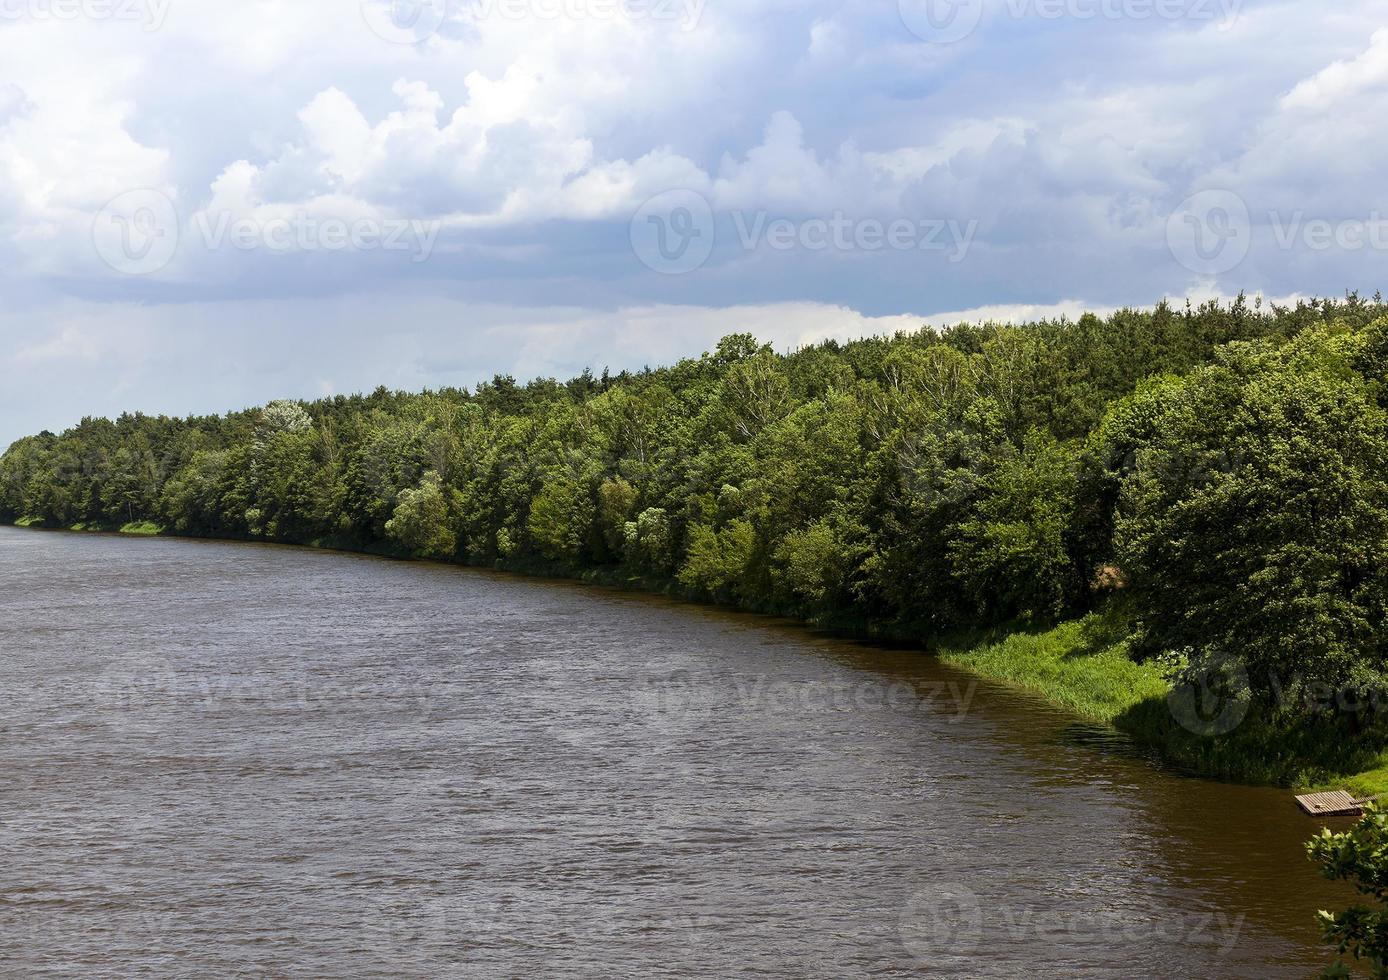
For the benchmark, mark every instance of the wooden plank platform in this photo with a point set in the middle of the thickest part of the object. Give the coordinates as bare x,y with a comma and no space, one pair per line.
1334,804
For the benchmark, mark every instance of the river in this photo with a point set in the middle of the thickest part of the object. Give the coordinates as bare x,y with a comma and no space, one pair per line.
229,759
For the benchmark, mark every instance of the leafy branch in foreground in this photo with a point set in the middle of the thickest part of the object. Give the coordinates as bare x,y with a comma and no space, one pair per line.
1360,856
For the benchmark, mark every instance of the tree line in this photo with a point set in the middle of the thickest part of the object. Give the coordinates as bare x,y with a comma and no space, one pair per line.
1224,466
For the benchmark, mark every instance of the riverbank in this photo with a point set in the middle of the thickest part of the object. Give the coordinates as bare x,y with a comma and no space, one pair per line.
1082,665
132,528
1079,665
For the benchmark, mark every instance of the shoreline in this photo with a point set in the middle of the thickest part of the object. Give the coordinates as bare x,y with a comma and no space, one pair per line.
1079,666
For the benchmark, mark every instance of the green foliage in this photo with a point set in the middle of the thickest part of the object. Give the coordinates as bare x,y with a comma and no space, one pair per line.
421,521
648,541
1011,551
719,560
616,500
1359,856
560,519
814,564
1255,523
1224,463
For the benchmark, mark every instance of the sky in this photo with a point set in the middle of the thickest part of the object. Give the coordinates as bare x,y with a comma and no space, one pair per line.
208,205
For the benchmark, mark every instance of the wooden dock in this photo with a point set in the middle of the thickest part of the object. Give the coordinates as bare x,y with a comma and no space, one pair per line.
1337,803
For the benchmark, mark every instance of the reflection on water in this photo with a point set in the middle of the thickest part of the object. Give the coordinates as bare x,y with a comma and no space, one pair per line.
223,759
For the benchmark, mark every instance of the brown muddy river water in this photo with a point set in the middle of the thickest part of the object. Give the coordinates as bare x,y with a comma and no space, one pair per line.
222,760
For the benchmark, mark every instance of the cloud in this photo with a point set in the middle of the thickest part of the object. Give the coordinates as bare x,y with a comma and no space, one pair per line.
1343,80
66,148
527,144
495,161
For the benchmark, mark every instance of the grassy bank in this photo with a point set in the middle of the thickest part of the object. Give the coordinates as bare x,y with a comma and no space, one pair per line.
134,528
1083,666
1080,665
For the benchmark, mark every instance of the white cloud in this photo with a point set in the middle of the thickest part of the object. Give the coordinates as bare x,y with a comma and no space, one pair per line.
1343,80
496,160
66,148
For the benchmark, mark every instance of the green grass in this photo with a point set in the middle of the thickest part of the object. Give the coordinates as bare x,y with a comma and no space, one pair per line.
1371,782
1082,665
138,528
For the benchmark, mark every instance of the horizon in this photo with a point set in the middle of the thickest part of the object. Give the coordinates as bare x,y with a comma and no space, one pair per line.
1063,311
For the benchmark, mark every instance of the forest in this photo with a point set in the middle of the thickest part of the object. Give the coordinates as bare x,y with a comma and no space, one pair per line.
1218,474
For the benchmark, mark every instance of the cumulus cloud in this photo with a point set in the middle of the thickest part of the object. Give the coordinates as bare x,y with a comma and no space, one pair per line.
66,148
496,160
1343,80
